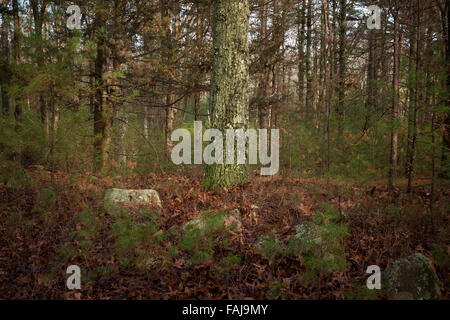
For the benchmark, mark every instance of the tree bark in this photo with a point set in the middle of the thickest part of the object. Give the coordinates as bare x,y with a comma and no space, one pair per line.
101,125
416,96
394,109
264,90
230,81
309,76
301,54
445,170
342,67
16,55
39,8
6,63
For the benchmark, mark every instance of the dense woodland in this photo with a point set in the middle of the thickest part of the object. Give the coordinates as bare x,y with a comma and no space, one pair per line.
364,145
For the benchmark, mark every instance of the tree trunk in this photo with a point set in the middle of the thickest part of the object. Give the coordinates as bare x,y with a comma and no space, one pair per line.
370,103
322,60
170,97
38,16
16,55
301,54
197,106
415,106
309,80
411,92
101,125
445,171
342,67
264,93
394,109
198,75
230,81
6,63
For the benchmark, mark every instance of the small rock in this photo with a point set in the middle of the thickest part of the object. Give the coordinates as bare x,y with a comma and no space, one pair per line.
309,231
411,278
309,239
229,218
115,197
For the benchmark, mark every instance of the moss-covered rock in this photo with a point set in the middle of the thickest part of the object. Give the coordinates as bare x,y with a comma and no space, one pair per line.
228,219
411,277
309,231
321,246
116,199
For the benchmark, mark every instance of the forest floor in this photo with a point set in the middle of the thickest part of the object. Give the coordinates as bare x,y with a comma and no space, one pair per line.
38,243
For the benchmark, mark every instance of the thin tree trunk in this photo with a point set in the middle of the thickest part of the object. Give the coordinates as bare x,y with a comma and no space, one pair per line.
342,67
309,76
6,63
301,54
100,90
264,93
197,106
411,92
445,171
16,48
418,49
38,16
394,110
170,97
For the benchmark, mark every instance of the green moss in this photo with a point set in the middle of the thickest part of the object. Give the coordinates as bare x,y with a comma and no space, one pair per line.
230,97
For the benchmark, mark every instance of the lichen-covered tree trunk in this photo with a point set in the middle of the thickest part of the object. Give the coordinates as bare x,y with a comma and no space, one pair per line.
229,84
171,34
264,90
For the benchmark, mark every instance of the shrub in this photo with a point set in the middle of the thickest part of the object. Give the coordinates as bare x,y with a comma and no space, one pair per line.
320,244
270,246
276,290
137,242
203,235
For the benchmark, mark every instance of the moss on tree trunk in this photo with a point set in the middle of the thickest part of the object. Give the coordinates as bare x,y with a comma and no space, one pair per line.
229,84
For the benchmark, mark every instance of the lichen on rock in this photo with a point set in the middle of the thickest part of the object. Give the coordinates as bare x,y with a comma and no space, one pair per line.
413,276
227,219
116,198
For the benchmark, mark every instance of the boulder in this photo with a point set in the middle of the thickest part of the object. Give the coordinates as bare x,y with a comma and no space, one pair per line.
412,277
227,219
116,199
308,236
